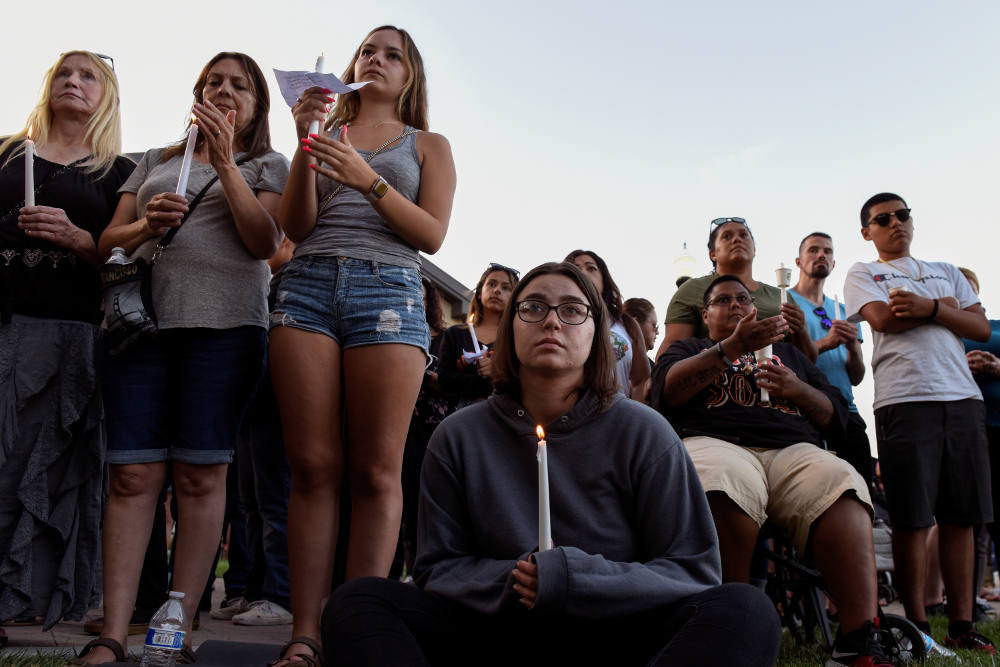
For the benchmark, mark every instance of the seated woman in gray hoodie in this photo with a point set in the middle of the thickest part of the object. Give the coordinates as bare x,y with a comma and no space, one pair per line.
633,573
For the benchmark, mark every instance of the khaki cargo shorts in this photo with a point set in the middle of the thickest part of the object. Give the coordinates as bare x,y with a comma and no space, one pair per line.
791,486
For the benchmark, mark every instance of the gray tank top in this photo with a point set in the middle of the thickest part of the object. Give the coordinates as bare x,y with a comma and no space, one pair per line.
351,227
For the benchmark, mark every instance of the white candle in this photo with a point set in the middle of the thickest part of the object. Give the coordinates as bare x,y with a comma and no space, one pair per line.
476,347
761,354
784,280
320,66
182,180
29,172
544,512
836,308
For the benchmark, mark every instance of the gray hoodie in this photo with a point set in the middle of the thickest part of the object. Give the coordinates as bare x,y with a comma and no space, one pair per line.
630,520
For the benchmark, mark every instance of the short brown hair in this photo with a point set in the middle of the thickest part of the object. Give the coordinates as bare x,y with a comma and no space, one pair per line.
598,370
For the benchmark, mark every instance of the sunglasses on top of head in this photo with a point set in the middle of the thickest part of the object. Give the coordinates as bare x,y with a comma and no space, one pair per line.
883,219
722,221
500,267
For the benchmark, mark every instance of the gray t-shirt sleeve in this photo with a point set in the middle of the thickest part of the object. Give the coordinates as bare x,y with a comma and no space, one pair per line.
272,173
138,177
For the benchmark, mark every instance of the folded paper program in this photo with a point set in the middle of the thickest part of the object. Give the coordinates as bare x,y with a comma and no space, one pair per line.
293,84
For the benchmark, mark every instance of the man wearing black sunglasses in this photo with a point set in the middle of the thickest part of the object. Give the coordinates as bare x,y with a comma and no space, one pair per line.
929,413
838,342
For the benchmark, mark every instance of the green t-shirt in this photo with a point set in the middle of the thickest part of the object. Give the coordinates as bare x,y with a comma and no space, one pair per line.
686,305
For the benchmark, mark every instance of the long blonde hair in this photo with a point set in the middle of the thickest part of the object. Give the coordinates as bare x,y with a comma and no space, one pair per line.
104,129
411,107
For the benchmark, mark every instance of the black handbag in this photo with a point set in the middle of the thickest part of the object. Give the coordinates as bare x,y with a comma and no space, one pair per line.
127,289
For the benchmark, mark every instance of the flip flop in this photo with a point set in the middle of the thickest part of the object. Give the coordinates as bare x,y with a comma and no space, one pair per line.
117,649
313,660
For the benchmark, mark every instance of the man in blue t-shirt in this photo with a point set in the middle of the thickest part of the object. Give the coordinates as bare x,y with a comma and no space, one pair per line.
838,341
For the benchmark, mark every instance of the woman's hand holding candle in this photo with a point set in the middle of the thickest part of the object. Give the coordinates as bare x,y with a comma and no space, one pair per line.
312,107
526,584
165,210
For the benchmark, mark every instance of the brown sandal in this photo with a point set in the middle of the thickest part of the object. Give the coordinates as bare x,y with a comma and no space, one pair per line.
107,642
186,656
313,660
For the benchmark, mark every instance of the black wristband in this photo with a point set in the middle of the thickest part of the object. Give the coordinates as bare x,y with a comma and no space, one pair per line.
937,304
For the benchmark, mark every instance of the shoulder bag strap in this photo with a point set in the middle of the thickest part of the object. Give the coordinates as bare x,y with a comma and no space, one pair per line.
326,202
172,232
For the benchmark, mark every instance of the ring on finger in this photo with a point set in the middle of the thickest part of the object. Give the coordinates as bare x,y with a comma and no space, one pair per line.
218,132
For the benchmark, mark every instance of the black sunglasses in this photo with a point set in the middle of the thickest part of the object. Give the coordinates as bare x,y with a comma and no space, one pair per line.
883,219
825,320
500,267
722,221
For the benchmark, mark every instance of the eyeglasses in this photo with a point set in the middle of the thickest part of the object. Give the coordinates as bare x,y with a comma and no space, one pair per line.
571,312
825,320
500,267
722,221
726,299
883,219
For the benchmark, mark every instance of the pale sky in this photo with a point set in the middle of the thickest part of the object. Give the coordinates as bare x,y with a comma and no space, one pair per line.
620,127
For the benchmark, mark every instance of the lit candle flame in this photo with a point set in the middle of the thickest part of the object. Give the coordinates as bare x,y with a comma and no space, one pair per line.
541,432
471,318
30,130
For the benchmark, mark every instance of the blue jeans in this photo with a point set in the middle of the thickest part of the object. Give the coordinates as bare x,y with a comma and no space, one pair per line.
353,301
181,396
265,480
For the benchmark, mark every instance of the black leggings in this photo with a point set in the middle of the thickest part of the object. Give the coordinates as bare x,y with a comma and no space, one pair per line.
385,622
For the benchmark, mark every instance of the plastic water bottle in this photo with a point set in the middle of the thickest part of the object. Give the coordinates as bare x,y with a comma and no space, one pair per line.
166,634
933,648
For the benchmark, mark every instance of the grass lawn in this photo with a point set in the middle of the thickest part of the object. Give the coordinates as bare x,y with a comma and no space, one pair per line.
792,655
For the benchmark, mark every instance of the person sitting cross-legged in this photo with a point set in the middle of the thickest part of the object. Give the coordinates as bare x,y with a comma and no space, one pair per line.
633,577
757,455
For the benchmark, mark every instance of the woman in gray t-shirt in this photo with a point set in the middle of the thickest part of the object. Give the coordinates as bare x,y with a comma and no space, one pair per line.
348,332
180,397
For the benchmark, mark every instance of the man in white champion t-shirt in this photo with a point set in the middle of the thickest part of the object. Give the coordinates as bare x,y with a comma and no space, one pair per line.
929,412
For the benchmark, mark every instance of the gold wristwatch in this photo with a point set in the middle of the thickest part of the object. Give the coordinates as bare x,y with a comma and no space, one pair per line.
379,188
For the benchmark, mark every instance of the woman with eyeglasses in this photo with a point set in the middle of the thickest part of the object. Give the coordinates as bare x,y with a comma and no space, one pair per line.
627,339
732,249
175,401
349,338
466,368
52,439
633,574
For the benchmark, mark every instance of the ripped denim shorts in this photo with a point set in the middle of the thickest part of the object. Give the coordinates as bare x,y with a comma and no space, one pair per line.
353,301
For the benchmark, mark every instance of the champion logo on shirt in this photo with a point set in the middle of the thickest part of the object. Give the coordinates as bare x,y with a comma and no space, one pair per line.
883,277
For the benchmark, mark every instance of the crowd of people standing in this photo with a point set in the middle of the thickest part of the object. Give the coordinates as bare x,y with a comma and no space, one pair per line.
295,330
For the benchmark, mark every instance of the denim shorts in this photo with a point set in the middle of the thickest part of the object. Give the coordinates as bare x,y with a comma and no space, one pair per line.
353,301
181,396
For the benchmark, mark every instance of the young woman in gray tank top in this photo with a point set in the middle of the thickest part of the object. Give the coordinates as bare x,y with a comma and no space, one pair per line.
348,333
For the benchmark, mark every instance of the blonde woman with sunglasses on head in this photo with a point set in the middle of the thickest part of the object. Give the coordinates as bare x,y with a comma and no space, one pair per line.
51,441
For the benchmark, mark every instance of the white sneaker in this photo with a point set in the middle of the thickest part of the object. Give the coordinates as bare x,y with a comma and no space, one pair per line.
264,612
230,608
